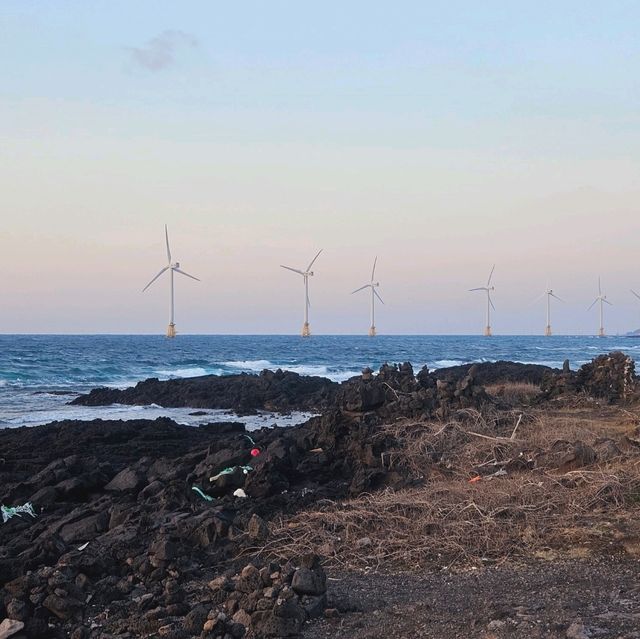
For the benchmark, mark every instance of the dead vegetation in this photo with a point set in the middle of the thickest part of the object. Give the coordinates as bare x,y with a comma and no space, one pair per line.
558,483
514,393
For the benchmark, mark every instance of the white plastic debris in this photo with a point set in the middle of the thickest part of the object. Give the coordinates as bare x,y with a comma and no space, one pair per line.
15,511
239,493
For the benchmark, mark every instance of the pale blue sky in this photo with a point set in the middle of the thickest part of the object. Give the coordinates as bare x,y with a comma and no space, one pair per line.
441,136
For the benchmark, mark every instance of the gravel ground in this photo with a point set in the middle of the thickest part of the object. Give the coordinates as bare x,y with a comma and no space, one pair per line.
585,599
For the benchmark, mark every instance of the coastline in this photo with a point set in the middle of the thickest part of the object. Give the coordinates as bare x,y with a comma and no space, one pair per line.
357,492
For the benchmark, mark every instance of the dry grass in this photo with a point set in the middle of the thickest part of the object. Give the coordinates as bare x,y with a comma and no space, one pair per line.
450,521
514,393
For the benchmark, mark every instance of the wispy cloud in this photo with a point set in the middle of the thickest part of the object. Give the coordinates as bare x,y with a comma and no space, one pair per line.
160,52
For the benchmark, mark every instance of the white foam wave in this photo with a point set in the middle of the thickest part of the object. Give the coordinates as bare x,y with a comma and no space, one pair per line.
255,365
447,363
196,371
317,370
182,416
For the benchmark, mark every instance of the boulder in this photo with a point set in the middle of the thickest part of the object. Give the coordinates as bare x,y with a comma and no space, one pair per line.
125,481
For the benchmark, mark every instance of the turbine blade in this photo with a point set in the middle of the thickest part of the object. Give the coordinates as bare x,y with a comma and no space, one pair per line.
481,288
607,302
361,288
491,302
593,304
558,298
373,271
155,278
177,270
491,274
599,288
638,296
166,237
313,260
377,295
295,270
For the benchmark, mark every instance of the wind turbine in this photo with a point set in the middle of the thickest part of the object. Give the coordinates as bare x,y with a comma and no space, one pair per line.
488,289
306,274
172,267
372,285
549,293
602,299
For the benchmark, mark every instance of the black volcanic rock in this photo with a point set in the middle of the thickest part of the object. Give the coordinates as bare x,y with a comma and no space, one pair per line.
611,377
271,390
488,373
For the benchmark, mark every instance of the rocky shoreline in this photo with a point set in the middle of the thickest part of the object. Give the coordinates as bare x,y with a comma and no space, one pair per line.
151,529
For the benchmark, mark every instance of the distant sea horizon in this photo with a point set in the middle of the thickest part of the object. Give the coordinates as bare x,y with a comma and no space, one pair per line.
40,373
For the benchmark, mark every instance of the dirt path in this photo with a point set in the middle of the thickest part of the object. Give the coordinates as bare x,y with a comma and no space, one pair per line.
595,599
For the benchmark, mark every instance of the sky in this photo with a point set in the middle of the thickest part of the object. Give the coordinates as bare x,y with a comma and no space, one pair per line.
441,137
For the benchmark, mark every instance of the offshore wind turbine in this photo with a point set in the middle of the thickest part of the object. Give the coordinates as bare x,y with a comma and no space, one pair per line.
603,300
372,285
488,288
549,293
172,267
306,274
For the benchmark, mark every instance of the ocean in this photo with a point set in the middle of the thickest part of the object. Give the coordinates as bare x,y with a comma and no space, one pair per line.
40,374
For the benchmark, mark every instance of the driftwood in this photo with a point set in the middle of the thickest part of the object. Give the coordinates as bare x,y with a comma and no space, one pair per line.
500,439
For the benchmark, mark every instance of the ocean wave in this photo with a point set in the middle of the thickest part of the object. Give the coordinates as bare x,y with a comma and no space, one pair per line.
312,370
255,365
446,363
195,371
182,416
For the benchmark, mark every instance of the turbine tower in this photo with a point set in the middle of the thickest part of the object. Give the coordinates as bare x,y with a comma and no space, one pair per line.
306,274
549,293
602,299
488,288
372,285
172,267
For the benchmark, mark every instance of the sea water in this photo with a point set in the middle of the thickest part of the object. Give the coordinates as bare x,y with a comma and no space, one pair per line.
40,374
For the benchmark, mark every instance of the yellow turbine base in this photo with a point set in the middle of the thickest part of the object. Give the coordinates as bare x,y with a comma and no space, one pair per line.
547,331
487,331
171,330
601,332
372,331
306,331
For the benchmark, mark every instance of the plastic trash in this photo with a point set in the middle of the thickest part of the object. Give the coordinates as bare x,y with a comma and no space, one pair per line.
81,548
227,471
255,452
239,493
203,495
15,511
250,439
